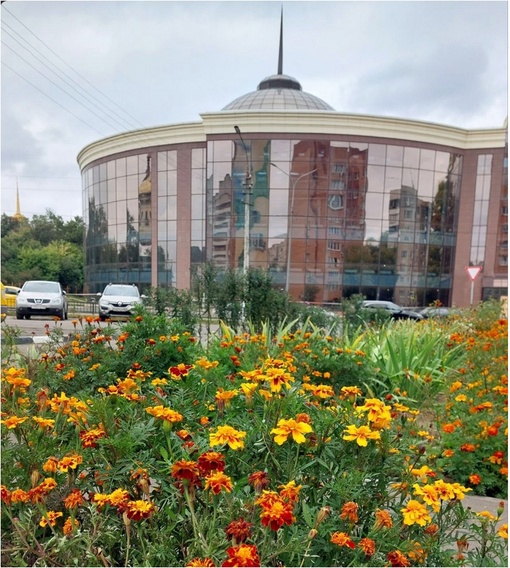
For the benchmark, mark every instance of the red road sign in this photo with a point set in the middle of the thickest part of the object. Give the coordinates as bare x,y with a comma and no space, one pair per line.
473,271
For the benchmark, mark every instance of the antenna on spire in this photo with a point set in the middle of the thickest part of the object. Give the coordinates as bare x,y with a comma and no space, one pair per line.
280,53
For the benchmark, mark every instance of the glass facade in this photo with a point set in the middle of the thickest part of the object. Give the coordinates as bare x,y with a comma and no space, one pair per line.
327,218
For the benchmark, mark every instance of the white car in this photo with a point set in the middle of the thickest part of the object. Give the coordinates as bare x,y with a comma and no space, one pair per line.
118,300
41,298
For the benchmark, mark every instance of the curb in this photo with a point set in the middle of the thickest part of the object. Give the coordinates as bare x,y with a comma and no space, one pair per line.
35,339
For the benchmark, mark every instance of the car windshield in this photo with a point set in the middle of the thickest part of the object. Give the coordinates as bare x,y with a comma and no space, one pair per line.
121,291
51,287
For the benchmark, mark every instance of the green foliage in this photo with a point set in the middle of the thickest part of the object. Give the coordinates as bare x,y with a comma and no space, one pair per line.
45,248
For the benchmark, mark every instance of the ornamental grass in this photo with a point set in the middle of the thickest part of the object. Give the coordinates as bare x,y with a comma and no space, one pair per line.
135,445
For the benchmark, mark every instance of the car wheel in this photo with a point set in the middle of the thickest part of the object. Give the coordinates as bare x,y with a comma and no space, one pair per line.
19,317
65,315
27,317
102,318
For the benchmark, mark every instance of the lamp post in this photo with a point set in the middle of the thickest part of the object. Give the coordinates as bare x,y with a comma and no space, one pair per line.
294,183
247,204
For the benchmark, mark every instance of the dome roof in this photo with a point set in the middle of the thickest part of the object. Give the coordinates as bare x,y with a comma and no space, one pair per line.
278,92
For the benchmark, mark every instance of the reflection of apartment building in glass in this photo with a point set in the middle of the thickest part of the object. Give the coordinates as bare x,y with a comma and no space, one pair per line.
338,203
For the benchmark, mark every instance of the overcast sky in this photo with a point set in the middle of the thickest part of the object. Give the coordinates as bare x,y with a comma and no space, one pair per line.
74,72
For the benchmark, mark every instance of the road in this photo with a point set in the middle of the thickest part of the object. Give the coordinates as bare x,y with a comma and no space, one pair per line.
35,326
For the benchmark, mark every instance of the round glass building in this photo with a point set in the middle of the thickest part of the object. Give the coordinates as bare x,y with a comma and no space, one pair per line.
330,204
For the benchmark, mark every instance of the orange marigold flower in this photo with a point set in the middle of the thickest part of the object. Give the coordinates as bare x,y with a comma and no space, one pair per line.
211,461
383,519
396,558
74,499
342,539
350,392
50,518
227,435
201,562
475,479
497,457
448,428
71,461
139,509
19,496
184,469
239,530
291,427
5,495
259,480
14,421
44,422
448,453
416,513
218,481
290,492
70,525
468,448
368,546
350,512
243,555
90,437
432,529
164,413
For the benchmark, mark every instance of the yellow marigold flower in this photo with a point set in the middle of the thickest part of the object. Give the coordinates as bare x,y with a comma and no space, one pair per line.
360,434
227,435
205,364
225,396
14,421
350,392
429,495
164,413
218,481
459,491
158,382
487,515
415,513
50,518
503,531
139,509
70,461
461,398
444,490
44,422
18,382
278,378
286,428
323,391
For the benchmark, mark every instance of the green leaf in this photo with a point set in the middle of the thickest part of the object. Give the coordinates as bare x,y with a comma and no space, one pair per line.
164,453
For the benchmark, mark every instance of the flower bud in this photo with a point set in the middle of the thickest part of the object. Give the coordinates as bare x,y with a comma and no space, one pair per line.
312,534
322,515
501,508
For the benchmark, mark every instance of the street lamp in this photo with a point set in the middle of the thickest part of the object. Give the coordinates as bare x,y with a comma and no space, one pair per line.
294,183
247,193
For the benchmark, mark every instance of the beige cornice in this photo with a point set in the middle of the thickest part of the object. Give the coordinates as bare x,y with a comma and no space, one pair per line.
335,123
146,138
294,122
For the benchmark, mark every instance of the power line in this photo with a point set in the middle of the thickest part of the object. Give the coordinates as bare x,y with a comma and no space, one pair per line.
51,98
76,72
80,91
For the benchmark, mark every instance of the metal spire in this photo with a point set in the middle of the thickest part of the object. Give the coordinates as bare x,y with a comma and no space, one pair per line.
280,53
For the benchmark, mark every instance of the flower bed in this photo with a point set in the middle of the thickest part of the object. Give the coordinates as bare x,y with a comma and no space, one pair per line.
297,449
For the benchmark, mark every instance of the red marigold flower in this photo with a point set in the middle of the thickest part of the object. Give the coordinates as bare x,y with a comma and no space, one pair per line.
218,481
201,562
275,511
243,555
342,539
5,495
350,512
139,509
211,461
368,546
184,469
259,480
239,530
396,558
